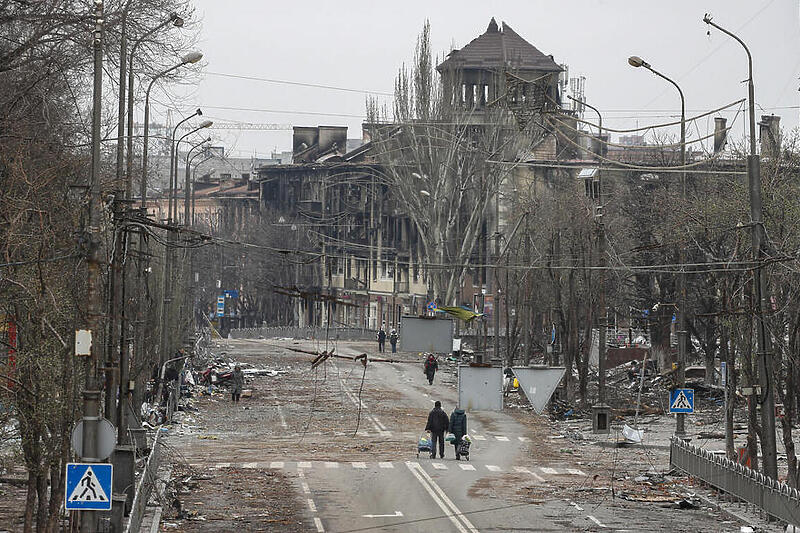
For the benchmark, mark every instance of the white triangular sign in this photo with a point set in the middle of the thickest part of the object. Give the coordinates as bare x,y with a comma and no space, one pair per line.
538,383
681,402
88,489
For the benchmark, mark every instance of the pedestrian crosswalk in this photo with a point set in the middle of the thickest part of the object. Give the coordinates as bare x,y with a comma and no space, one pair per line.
533,471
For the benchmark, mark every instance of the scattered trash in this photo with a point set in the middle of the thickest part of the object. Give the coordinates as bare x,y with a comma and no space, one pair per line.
632,435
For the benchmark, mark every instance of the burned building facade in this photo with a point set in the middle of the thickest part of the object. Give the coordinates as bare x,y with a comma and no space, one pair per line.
370,269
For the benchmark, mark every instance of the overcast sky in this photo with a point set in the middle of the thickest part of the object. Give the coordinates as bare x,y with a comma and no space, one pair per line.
361,44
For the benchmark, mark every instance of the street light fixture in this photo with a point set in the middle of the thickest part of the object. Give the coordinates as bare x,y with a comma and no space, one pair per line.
191,57
765,363
168,252
680,424
177,22
174,183
187,184
172,212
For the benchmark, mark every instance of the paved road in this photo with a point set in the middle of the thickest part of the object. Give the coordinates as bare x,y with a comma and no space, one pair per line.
518,479
421,494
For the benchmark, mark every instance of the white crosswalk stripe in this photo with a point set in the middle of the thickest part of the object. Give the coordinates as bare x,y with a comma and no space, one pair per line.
479,437
523,470
501,438
523,439
363,465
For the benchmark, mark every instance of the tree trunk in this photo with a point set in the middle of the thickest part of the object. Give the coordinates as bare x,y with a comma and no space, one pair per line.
41,494
725,355
30,502
752,412
583,357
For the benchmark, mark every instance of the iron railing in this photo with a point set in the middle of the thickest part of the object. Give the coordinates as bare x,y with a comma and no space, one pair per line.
145,486
774,497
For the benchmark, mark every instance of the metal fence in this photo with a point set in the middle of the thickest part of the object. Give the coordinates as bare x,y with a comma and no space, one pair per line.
774,497
145,487
310,332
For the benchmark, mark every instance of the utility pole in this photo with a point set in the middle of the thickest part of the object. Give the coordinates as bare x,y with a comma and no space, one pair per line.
496,306
91,393
765,363
597,197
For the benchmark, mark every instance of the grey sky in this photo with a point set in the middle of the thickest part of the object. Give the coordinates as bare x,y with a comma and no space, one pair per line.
361,45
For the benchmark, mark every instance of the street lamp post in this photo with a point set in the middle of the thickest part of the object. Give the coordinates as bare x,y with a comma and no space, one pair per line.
765,363
172,209
204,124
167,280
680,426
194,185
176,21
187,221
191,57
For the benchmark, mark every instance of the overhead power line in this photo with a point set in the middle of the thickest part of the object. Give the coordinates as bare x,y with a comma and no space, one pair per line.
284,111
299,84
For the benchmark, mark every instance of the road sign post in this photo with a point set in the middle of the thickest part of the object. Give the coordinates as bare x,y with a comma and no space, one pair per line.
88,487
681,401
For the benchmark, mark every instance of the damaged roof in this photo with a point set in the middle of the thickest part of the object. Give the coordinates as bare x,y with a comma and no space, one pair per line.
499,47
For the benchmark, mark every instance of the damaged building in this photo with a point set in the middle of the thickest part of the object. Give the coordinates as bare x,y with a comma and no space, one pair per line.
371,270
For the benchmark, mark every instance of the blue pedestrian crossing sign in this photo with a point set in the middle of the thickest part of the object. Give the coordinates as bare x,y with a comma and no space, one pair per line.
88,487
681,401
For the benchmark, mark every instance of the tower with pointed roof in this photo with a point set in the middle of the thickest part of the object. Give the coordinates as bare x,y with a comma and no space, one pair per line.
477,75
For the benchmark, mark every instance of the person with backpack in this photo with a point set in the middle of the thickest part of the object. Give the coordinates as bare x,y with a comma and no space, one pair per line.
393,340
458,427
431,366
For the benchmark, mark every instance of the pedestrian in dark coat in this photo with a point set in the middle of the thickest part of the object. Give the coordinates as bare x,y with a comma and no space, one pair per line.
381,340
437,425
431,366
238,383
458,427
393,340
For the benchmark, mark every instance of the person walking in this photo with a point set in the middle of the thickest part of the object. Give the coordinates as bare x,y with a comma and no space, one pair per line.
458,427
238,384
381,339
431,366
393,340
437,425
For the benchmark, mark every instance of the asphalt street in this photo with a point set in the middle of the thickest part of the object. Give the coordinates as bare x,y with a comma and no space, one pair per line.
354,469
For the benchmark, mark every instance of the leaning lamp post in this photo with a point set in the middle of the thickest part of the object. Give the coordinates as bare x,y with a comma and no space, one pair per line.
765,363
680,425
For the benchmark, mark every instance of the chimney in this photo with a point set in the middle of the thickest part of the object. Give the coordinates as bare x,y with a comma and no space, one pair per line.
770,130
304,137
720,134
